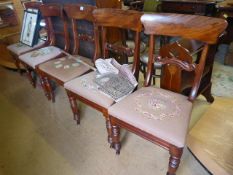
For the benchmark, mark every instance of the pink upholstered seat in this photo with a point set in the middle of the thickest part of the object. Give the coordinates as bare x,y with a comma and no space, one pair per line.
20,48
86,88
39,56
65,68
162,113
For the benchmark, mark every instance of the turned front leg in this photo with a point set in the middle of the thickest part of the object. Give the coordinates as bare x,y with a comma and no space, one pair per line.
116,138
174,160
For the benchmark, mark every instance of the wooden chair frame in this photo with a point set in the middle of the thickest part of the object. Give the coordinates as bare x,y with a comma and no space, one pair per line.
48,12
75,12
173,25
27,5
113,18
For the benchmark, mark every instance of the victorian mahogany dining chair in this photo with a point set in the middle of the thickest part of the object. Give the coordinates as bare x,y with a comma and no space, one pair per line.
160,115
69,67
19,48
32,59
83,88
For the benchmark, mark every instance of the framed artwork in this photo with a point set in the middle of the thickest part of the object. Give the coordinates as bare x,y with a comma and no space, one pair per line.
30,27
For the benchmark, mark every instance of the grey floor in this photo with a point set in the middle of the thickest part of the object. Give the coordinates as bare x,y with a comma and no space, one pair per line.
38,137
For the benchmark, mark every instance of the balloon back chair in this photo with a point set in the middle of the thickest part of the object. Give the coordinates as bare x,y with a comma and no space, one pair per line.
160,115
32,59
19,48
83,88
69,67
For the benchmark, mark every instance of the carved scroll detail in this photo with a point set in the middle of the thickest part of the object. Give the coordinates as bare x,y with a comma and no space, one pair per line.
182,64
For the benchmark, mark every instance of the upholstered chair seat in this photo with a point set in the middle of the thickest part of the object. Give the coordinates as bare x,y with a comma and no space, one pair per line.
85,87
86,60
162,113
20,48
39,56
65,68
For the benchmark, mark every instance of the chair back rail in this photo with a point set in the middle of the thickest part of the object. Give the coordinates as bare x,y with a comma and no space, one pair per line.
77,12
204,29
124,20
49,11
33,5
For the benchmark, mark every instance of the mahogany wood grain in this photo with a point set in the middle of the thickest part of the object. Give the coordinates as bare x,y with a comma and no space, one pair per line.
196,27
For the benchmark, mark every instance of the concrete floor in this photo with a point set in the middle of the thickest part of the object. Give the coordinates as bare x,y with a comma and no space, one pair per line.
38,137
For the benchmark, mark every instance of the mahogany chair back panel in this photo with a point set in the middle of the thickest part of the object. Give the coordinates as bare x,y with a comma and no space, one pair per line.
206,29
79,13
185,26
50,11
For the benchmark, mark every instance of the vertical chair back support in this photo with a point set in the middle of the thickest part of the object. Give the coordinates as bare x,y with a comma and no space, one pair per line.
50,11
124,20
199,28
78,12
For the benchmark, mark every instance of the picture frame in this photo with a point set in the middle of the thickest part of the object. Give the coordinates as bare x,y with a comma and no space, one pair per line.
30,27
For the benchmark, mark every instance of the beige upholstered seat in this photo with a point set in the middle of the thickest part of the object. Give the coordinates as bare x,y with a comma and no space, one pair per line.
86,60
39,56
20,48
156,111
65,68
85,87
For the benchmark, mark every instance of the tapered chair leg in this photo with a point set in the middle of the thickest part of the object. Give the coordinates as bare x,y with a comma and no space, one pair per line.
174,160
74,107
116,138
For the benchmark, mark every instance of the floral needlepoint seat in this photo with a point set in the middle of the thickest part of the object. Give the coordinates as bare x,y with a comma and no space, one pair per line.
65,68
20,48
84,86
156,111
39,56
